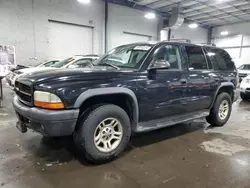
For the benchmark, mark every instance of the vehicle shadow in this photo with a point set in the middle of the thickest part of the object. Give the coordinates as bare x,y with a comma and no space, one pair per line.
175,131
244,103
62,149
52,150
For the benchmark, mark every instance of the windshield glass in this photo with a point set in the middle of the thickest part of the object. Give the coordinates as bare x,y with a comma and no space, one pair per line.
62,63
48,64
127,56
244,67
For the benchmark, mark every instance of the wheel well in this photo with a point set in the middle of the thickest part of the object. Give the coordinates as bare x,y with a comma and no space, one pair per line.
227,89
122,100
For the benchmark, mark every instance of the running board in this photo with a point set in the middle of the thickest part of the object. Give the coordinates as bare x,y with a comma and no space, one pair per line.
169,121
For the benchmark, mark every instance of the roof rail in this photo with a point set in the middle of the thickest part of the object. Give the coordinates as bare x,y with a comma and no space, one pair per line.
88,55
181,40
208,44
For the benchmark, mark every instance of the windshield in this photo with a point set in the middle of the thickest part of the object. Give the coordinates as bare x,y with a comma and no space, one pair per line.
244,67
127,56
62,63
48,64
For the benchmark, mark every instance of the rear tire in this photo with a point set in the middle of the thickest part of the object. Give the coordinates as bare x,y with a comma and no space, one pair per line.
221,110
244,97
103,133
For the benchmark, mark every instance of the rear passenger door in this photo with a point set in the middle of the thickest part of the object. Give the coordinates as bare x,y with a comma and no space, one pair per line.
201,80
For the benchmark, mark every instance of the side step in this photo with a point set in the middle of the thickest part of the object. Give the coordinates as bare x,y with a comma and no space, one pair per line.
169,121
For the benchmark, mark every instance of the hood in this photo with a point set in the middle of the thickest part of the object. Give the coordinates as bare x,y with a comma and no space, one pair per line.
30,70
74,74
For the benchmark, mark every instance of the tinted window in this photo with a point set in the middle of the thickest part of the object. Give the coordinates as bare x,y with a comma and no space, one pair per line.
222,59
209,62
196,58
171,54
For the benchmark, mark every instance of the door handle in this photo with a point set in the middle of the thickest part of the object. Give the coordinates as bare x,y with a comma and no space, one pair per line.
183,81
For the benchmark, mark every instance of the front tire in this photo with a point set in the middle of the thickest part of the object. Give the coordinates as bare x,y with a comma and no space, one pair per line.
103,133
244,97
221,110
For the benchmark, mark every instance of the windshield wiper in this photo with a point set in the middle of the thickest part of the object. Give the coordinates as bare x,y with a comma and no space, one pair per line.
111,65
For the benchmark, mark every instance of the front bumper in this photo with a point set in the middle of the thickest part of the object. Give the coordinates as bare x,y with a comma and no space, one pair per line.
46,122
245,88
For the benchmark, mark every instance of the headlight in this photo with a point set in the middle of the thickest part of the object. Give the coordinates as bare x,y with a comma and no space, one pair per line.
245,80
47,100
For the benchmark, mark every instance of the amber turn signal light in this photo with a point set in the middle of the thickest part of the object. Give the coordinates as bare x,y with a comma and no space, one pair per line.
47,105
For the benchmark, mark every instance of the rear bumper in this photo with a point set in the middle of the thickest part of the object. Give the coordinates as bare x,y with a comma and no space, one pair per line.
46,122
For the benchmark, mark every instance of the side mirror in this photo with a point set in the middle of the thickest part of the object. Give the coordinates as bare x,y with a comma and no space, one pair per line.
160,64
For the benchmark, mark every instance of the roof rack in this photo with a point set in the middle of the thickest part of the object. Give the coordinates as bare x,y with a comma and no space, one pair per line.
88,55
181,40
208,44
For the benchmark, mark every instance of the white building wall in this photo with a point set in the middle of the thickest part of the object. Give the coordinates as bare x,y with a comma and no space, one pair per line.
197,36
237,43
233,29
24,24
123,19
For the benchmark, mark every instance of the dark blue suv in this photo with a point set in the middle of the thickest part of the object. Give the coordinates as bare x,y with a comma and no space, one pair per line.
133,88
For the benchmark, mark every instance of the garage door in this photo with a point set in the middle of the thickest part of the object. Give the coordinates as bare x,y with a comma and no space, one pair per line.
66,40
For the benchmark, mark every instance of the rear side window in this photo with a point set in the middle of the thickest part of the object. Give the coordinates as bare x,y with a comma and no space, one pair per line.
222,59
196,58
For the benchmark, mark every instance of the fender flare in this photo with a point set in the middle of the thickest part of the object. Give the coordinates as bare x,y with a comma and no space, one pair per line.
223,84
110,90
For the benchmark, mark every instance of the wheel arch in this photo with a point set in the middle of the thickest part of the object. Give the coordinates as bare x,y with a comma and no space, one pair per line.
102,92
227,87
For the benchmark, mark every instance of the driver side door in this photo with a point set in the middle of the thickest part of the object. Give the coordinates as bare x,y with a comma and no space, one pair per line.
160,91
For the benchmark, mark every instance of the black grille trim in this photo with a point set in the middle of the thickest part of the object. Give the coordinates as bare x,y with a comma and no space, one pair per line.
242,75
24,93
